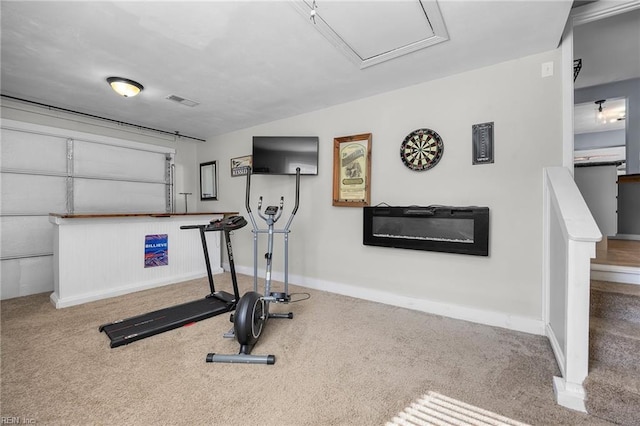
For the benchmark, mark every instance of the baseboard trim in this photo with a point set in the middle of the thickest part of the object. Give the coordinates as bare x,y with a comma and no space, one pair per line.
479,316
616,274
65,302
625,237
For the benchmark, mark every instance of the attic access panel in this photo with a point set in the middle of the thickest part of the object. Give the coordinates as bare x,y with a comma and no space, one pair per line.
374,32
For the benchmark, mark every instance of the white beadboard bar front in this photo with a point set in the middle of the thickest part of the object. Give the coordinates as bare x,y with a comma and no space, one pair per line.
97,256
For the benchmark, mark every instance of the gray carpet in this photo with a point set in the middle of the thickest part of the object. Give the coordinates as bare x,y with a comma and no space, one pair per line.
613,384
340,361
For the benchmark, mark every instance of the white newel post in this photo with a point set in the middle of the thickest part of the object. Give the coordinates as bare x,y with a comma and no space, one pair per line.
570,336
571,392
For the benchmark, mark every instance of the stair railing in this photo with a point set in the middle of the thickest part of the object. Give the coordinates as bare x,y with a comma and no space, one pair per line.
570,236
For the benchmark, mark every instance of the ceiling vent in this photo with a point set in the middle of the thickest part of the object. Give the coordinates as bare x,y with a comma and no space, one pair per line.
365,33
183,101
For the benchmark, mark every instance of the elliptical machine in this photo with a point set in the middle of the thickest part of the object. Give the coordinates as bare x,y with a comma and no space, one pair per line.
252,311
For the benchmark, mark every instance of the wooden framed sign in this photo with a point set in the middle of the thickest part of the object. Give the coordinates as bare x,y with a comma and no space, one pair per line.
240,165
352,171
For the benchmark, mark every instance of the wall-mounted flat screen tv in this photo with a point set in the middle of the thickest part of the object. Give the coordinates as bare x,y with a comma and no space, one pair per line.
281,155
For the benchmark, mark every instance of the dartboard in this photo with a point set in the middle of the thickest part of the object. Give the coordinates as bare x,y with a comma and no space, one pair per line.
421,149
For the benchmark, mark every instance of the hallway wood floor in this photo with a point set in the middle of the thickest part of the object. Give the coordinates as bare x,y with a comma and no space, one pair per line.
618,252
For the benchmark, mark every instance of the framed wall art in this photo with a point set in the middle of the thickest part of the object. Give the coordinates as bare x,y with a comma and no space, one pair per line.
239,165
352,171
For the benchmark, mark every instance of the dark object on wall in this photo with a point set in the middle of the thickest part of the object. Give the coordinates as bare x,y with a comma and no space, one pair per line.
482,139
463,230
577,66
629,204
281,155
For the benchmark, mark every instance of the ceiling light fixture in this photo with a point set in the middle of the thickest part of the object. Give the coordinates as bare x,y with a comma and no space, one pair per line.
600,117
124,86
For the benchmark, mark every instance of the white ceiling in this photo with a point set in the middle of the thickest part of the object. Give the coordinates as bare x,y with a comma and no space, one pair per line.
245,63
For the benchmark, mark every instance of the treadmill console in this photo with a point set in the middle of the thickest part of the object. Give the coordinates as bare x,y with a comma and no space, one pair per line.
228,223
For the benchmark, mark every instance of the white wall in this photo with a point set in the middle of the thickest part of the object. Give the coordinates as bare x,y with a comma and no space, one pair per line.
595,140
326,242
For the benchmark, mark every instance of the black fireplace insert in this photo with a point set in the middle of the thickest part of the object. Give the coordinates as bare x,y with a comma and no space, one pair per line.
463,230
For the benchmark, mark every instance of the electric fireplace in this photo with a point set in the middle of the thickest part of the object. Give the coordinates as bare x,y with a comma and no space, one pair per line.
463,230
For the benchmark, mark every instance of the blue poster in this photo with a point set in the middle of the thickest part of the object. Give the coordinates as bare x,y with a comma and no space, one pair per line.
156,250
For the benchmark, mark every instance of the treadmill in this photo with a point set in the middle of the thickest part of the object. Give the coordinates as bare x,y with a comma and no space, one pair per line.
129,330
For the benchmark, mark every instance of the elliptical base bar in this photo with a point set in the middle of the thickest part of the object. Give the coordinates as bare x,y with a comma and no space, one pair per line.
241,359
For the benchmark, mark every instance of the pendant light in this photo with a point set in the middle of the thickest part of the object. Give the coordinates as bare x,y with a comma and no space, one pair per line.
600,117
124,86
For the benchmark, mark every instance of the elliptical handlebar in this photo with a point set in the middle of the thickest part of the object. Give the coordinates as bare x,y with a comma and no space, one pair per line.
246,201
248,206
295,208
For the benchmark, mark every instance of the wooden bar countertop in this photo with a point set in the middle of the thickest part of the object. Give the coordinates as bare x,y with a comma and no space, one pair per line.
629,178
115,215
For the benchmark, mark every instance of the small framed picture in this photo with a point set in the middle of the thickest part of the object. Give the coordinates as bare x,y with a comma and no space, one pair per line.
239,165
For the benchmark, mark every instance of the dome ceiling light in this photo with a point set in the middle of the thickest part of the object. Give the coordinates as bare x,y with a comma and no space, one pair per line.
124,86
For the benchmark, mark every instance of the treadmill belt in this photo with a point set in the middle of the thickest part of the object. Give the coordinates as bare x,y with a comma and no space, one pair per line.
135,328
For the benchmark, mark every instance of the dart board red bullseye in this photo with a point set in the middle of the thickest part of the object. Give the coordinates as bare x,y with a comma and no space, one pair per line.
421,149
